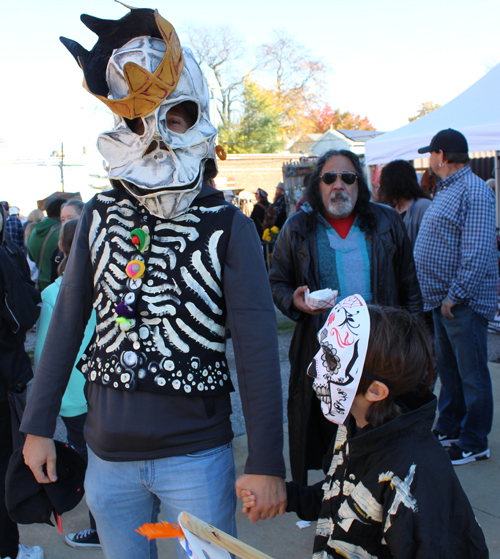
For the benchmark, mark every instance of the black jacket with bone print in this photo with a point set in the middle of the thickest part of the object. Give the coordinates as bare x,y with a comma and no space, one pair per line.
139,425
176,340
390,492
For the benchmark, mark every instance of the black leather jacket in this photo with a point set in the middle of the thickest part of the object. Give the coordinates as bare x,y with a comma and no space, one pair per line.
394,283
18,312
435,522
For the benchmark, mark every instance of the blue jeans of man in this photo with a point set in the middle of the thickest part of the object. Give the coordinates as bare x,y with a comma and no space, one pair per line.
125,495
466,398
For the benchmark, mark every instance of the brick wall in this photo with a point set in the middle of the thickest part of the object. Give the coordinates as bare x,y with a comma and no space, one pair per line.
253,171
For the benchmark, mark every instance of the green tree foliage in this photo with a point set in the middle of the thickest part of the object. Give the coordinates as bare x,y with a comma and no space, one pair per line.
259,130
425,109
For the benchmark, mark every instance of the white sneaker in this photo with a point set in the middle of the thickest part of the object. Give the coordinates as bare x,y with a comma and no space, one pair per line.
27,552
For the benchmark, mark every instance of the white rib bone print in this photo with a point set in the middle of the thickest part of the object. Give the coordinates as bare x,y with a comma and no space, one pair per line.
201,277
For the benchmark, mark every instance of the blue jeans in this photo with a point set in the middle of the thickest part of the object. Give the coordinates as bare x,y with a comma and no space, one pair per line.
466,399
125,495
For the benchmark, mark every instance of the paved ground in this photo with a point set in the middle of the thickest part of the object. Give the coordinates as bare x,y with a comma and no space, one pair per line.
494,348
281,538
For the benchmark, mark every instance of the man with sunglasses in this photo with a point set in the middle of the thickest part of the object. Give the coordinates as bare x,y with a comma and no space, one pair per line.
346,243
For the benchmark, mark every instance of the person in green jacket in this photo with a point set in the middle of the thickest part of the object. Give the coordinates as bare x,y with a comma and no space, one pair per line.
37,241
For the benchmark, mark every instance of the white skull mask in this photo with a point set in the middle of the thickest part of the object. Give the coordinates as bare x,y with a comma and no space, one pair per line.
338,365
162,168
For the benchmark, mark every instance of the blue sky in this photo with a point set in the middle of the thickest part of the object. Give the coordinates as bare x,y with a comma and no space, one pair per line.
386,56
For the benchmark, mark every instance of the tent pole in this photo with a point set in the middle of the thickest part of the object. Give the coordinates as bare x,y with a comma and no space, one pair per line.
369,179
497,180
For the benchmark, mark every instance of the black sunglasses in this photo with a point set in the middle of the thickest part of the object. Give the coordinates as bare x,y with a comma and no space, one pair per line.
347,177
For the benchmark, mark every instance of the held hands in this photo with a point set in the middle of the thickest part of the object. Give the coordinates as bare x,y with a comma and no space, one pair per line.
37,452
248,499
263,496
300,303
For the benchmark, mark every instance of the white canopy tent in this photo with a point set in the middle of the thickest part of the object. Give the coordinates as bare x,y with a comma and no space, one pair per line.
475,113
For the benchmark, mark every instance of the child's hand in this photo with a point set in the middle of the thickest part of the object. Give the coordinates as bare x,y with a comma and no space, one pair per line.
248,499
265,495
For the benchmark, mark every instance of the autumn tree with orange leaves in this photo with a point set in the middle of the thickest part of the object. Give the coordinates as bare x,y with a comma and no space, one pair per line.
282,79
425,108
321,120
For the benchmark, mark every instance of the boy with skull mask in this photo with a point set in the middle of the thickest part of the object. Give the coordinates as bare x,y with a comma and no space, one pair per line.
389,489
164,261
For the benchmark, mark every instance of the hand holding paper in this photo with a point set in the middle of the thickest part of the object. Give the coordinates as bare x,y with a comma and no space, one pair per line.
300,303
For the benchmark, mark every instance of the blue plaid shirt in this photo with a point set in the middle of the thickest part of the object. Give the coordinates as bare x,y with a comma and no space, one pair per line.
15,229
456,251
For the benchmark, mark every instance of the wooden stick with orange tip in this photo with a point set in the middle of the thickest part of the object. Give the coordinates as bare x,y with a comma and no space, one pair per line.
160,530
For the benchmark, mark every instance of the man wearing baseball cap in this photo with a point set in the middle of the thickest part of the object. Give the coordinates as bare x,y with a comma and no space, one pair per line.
457,267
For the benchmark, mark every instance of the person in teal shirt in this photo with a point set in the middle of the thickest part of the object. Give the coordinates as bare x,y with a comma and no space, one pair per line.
74,404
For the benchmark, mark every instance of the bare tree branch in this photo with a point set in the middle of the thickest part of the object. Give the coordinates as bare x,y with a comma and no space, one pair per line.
299,79
221,53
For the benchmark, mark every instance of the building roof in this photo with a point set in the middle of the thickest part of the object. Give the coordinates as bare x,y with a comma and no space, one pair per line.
360,135
304,143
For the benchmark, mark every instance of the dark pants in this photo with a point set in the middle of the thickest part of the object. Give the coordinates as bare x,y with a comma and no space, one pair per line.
466,398
74,426
9,534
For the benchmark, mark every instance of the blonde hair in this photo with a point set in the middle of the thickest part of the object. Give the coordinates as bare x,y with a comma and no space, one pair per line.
34,217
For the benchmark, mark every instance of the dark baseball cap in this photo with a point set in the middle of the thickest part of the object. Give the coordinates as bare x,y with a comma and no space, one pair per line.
29,502
450,141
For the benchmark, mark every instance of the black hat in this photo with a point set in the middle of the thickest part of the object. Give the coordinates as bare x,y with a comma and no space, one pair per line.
450,141
30,502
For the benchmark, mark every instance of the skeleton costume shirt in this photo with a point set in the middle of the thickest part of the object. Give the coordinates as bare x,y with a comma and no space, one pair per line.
166,263
390,492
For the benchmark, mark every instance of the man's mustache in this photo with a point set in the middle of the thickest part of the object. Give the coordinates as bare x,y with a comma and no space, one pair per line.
340,196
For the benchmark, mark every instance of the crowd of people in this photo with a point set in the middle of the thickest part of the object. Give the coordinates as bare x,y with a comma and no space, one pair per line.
37,239
136,289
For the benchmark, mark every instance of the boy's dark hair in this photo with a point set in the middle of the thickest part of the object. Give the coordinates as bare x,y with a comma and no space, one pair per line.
210,171
53,207
399,355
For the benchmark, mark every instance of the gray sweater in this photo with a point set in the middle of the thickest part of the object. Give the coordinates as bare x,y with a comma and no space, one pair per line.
413,217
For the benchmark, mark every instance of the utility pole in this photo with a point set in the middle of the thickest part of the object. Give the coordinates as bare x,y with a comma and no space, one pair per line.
61,166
